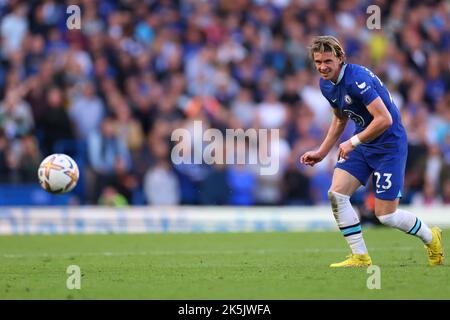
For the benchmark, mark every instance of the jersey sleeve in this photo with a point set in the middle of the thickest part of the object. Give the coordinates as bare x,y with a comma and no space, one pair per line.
363,89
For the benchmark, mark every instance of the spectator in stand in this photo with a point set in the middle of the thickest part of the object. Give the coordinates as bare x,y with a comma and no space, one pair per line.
28,159
86,110
161,185
446,192
214,190
56,125
16,118
242,182
296,185
5,165
111,197
14,28
105,148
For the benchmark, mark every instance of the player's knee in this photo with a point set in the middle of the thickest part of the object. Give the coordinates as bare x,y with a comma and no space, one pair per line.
385,207
331,196
334,195
380,213
337,199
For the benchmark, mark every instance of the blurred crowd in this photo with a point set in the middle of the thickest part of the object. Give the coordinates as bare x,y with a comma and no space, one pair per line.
111,93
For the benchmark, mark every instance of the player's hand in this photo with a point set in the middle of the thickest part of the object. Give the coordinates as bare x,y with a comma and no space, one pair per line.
310,158
344,149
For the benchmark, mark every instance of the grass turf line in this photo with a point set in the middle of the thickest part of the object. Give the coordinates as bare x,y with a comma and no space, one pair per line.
217,266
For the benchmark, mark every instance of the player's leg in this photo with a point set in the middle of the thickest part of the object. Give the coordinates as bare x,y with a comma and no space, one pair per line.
388,214
342,187
388,182
348,176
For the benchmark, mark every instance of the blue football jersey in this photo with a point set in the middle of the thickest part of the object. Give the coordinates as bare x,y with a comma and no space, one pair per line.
355,89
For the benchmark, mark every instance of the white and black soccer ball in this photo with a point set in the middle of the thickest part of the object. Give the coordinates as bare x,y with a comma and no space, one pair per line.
58,173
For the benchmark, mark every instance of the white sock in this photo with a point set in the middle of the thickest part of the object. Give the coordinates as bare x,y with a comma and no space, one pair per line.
348,221
408,223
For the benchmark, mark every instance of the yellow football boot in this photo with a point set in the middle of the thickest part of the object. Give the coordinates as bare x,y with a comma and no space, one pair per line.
434,248
354,260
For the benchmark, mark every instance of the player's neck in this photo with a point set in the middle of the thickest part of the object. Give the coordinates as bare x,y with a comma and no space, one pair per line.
339,75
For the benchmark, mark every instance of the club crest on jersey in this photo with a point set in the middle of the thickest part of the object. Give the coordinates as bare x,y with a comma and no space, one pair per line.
347,99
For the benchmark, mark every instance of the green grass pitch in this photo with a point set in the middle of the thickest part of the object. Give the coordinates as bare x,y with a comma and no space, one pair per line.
217,266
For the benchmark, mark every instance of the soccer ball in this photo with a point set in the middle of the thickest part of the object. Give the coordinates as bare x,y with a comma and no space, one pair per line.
58,173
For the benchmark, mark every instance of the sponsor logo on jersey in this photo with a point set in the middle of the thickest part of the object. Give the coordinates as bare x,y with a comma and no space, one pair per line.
355,117
367,88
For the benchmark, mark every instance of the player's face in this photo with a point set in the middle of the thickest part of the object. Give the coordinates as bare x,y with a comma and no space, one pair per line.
328,65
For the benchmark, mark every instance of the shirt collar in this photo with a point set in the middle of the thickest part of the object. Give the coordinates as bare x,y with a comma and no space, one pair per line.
341,74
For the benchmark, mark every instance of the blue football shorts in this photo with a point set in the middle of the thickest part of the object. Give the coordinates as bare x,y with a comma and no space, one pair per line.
386,162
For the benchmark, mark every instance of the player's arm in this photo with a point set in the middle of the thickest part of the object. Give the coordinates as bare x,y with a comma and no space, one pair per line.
335,130
382,120
337,126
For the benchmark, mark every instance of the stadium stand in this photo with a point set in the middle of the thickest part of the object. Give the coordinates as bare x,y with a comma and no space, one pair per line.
149,67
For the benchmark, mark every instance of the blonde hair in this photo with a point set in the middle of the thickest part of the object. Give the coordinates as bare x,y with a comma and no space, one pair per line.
327,44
